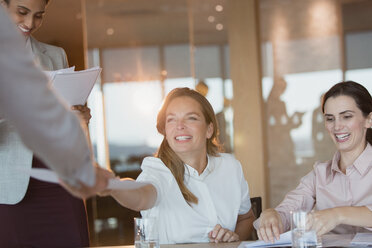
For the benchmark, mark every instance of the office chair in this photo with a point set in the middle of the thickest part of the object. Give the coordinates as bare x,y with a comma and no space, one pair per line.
257,209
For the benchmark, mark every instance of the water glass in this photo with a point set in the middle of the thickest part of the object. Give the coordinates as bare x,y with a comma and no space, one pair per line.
302,233
146,233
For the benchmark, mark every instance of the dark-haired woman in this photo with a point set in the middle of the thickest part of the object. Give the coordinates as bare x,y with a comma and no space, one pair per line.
35,213
196,193
340,190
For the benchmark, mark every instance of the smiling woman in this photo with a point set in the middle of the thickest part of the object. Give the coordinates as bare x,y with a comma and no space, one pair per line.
195,193
347,108
347,126
27,15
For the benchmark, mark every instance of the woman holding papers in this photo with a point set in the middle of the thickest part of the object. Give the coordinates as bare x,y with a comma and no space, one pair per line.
337,192
35,213
195,193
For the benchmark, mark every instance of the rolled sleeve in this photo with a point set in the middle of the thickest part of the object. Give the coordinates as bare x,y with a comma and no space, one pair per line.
147,177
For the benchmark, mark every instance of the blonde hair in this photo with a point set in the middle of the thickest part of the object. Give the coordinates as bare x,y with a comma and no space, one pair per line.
165,152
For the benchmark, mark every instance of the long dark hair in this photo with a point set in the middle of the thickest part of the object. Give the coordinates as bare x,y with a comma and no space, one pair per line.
165,152
360,95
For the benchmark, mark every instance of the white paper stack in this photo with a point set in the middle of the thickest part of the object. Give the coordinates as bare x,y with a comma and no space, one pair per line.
362,239
74,86
285,240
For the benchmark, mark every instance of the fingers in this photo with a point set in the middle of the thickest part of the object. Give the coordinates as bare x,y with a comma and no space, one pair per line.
102,178
319,226
219,234
83,191
79,107
108,175
276,231
72,190
80,191
214,232
322,230
281,227
83,111
106,192
269,233
226,235
270,226
262,234
259,234
323,221
234,237
309,221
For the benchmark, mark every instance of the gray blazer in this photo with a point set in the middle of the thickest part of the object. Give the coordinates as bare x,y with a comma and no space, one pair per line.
45,125
14,155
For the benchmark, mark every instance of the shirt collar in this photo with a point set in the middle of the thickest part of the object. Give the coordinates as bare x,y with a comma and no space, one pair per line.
333,169
28,44
335,160
361,164
190,171
364,161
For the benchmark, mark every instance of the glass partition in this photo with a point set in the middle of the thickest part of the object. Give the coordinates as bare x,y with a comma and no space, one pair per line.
307,46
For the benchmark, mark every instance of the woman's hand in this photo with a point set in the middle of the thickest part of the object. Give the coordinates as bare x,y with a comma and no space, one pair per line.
106,191
220,234
324,221
83,112
83,191
271,226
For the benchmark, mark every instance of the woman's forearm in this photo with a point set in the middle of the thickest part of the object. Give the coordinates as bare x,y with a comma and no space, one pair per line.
136,199
354,216
244,225
326,220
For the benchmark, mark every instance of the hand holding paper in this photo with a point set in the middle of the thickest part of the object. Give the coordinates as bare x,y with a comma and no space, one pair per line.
84,191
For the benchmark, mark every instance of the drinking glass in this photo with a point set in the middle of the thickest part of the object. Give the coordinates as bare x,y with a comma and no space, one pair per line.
146,233
303,236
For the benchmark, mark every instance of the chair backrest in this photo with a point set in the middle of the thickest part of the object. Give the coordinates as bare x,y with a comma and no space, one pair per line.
257,209
256,206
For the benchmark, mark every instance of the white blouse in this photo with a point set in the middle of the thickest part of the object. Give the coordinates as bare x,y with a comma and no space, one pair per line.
222,191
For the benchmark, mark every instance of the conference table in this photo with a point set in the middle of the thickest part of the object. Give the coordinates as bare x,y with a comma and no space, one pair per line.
328,240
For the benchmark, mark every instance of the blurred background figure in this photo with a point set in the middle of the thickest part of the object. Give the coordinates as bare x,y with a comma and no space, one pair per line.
223,136
282,159
280,124
322,142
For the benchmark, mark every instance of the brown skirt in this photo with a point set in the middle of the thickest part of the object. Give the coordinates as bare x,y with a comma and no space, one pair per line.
48,216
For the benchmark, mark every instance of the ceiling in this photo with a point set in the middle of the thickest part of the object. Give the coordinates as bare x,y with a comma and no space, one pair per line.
112,23
120,23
